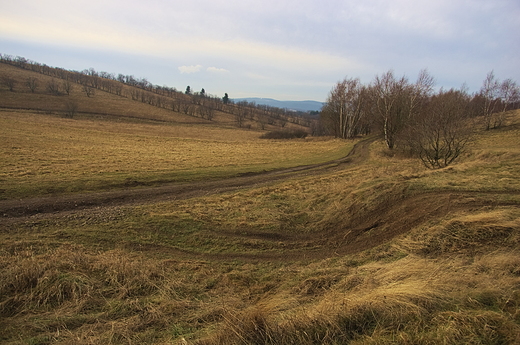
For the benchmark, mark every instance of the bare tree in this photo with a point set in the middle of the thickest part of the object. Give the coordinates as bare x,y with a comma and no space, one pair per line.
241,113
176,105
209,106
396,102
344,108
32,84
66,86
210,113
421,90
118,88
262,121
53,87
509,93
89,90
206,112
391,99
10,82
440,134
282,120
490,92
71,107
134,94
188,108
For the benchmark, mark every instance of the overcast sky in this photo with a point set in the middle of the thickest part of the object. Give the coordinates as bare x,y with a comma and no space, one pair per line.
287,50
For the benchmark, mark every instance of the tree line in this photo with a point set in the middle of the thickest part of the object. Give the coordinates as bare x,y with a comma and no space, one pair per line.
433,125
198,104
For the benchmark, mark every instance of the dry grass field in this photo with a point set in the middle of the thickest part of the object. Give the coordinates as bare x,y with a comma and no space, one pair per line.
383,251
114,142
45,154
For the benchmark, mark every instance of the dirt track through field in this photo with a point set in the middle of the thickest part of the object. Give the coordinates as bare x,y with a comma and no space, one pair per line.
361,232
170,191
364,232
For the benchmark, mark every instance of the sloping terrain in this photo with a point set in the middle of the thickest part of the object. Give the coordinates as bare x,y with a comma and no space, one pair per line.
100,104
369,249
34,87
179,191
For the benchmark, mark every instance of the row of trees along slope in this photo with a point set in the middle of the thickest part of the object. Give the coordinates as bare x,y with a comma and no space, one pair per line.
433,125
199,104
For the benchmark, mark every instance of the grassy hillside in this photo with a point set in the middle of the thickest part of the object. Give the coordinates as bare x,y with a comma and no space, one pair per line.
380,252
115,142
100,104
70,93
45,154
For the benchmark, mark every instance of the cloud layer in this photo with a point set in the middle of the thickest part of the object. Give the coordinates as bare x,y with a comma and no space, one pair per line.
278,49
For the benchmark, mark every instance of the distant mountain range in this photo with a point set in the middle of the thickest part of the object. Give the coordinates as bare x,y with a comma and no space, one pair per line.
304,106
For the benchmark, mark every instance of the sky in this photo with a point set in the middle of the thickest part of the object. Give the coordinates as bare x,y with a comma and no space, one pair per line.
281,49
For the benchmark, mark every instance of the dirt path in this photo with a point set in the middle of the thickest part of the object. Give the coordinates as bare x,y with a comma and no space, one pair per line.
366,231
10,209
362,231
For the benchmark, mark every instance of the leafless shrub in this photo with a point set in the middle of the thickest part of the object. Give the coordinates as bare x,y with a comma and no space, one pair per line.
440,134
32,84
71,107
53,87
9,82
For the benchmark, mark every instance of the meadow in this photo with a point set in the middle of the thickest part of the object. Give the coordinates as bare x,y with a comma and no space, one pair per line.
48,154
381,251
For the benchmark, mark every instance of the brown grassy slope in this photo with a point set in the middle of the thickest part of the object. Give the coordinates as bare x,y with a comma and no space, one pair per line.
101,104
115,142
451,277
45,154
270,265
110,106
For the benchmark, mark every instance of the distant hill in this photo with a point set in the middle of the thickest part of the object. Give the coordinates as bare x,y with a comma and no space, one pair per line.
304,106
71,93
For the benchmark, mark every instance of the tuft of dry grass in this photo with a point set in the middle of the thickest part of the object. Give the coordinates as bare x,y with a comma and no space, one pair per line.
468,233
110,297
407,302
